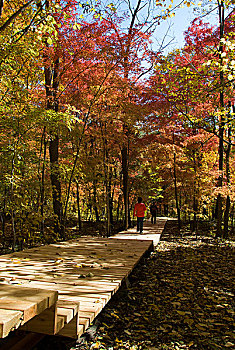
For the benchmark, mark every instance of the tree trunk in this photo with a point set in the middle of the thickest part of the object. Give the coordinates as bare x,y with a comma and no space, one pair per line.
176,193
125,185
118,208
124,151
226,217
195,201
51,85
42,196
110,198
232,219
221,126
3,218
95,201
78,208
55,183
227,158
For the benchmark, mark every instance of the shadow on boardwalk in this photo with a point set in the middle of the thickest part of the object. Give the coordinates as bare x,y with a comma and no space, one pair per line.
180,298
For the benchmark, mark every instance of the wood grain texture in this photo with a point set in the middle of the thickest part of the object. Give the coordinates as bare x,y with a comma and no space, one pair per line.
82,274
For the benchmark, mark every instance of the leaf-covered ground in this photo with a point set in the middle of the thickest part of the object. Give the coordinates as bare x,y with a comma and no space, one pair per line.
181,297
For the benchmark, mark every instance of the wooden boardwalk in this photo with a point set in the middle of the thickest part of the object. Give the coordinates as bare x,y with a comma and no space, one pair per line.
150,232
61,288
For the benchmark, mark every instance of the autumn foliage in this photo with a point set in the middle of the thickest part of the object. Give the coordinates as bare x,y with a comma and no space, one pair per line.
84,130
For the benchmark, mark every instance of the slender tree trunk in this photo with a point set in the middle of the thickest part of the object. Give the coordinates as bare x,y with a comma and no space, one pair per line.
176,188
3,218
125,150
95,201
176,193
195,200
118,208
232,219
227,163
42,197
51,85
55,182
1,7
110,198
221,126
125,185
106,180
108,223
13,200
78,208
226,217
13,204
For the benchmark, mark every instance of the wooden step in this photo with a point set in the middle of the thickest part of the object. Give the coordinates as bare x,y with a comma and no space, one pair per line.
46,322
62,287
18,305
72,329
9,321
62,318
67,309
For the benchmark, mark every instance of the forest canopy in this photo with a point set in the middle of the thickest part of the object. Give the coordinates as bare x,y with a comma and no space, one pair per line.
92,116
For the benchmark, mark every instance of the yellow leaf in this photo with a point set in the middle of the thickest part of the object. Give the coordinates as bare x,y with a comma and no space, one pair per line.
200,327
49,41
189,321
182,313
118,341
229,344
180,295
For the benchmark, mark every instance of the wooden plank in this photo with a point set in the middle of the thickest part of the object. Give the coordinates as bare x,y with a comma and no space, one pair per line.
71,329
86,318
44,299
65,274
91,291
9,320
105,263
67,314
47,251
90,309
28,308
46,322
26,302
71,305
67,309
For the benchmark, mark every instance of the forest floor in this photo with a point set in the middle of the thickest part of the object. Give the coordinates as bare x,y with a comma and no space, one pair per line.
181,297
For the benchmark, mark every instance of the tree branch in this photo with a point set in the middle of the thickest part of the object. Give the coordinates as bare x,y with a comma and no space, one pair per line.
12,17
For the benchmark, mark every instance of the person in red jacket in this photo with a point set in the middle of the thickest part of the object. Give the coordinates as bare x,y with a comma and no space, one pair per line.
139,211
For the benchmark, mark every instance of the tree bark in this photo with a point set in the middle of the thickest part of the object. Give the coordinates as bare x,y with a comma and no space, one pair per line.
1,7
124,150
176,193
95,201
221,126
125,185
51,86
3,218
55,183
78,208
227,163
42,195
